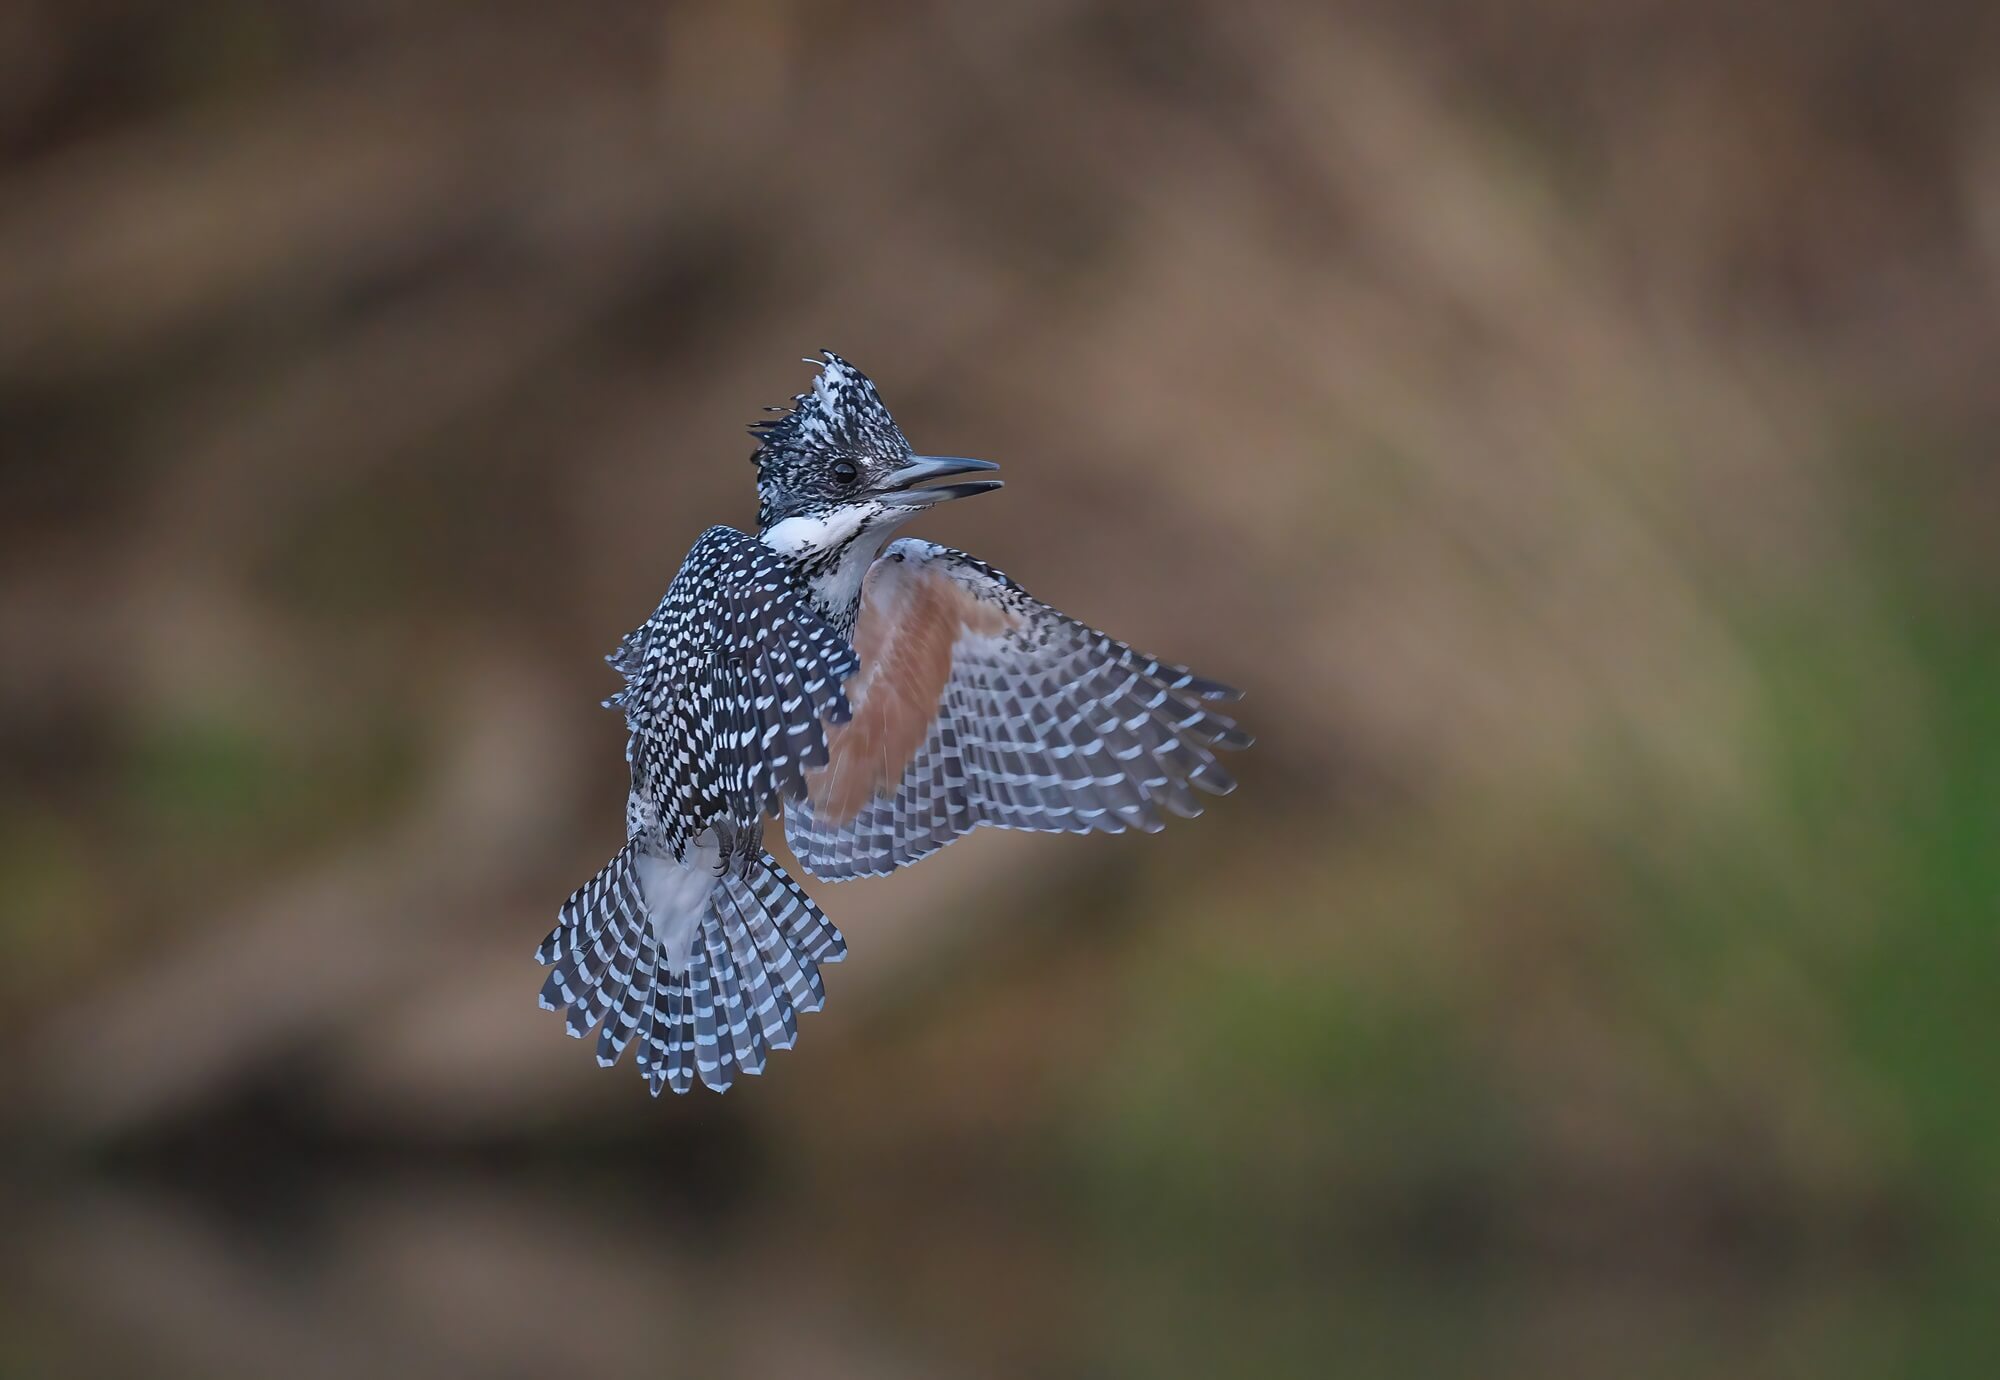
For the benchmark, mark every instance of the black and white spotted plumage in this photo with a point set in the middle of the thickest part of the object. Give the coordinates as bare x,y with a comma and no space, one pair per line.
692,942
885,698
727,688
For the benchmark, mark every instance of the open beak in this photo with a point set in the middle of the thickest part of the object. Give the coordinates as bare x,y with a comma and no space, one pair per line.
904,487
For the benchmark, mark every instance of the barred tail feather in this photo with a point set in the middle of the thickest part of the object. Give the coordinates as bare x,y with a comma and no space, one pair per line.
593,952
751,965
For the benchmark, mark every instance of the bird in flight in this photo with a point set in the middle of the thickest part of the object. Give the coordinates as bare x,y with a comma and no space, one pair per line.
886,696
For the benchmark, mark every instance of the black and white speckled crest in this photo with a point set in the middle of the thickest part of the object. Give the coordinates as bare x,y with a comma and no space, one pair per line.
841,417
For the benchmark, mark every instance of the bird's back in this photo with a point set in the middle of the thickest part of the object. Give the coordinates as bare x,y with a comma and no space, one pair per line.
727,686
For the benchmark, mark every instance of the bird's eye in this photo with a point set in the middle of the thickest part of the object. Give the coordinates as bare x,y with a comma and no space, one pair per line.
845,472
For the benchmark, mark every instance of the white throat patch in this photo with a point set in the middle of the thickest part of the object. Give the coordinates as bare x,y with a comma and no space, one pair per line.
801,536
838,587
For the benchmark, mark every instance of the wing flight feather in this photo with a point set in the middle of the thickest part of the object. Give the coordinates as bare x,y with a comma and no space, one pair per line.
977,704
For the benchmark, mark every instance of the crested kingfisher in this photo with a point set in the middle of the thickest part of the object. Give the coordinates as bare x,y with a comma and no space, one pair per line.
887,696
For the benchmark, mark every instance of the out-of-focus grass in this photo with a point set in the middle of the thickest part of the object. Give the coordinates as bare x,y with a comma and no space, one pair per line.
1870,875
207,792
1250,1095
206,804
52,890
1181,1315
1757,1029
1884,751
200,776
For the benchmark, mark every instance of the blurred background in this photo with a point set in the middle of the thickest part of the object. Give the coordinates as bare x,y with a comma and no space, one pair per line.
1573,423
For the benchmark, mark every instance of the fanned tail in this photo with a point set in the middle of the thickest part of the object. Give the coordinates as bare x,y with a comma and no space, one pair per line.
751,964
593,952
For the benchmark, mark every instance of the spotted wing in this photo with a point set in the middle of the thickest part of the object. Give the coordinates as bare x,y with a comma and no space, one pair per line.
978,704
728,690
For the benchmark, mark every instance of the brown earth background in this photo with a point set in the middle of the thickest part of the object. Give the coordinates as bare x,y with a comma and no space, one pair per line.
1573,423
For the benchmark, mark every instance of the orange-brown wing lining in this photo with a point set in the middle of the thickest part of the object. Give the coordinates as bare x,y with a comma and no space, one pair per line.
911,618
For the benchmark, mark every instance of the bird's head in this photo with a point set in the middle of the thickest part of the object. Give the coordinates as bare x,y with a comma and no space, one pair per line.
834,466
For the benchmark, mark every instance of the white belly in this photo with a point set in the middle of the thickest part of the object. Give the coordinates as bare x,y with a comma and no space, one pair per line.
676,894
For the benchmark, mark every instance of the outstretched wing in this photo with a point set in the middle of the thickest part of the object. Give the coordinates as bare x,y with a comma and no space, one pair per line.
978,704
728,687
